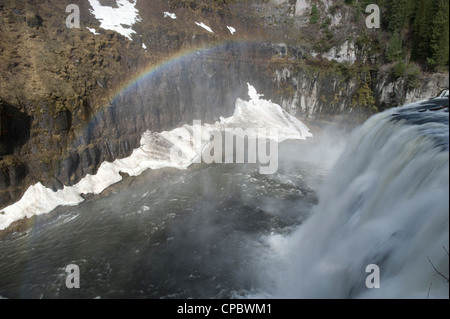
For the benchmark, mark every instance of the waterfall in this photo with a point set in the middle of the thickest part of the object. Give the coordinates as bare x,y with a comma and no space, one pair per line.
385,203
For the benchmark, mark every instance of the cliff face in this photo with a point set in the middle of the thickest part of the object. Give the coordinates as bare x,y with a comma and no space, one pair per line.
58,118
63,109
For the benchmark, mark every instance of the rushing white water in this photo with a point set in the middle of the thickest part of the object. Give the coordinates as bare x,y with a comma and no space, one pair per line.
385,203
177,148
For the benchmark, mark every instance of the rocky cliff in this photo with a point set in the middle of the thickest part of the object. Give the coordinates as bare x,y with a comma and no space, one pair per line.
71,98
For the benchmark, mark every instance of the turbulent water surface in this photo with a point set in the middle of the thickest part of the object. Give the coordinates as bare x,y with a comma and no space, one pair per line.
194,233
336,204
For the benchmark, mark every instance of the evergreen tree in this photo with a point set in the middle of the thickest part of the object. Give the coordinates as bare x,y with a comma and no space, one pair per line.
425,14
399,13
314,17
439,41
417,28
394,49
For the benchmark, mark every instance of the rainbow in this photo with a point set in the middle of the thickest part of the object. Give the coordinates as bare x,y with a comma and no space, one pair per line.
152,68
39,200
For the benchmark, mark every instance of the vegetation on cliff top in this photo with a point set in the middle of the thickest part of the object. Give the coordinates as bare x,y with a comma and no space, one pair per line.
418,31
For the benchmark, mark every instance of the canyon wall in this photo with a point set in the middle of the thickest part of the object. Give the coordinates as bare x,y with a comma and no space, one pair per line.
69,99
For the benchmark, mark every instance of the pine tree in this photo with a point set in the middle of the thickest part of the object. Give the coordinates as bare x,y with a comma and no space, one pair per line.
399,12
314,17
439,41
425,14
394,49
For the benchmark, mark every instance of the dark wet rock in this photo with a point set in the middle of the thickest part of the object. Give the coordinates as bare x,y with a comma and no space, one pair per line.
53,183
17,174
4,178
5,197
63,120
34,20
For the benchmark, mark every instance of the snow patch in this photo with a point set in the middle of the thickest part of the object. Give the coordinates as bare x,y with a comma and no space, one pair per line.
93,30
170,15
204,26
232,30
144,46
120,19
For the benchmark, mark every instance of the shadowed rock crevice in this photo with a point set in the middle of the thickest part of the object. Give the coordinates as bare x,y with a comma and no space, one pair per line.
14,128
